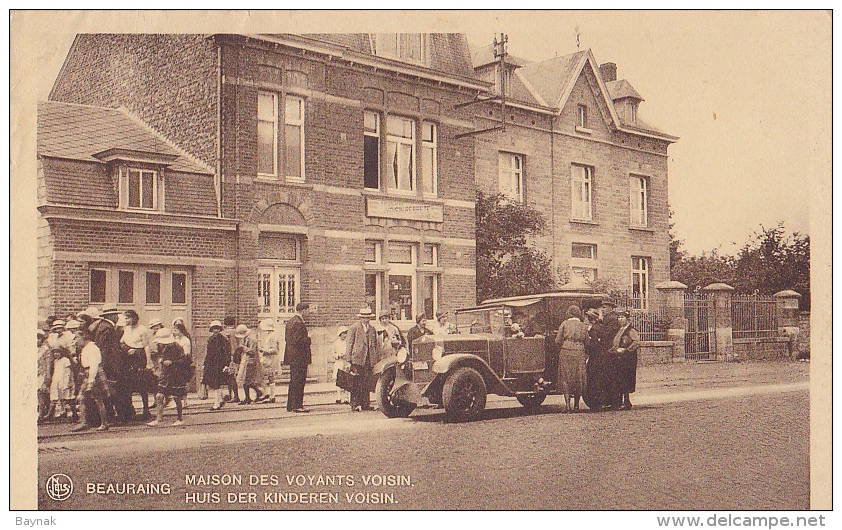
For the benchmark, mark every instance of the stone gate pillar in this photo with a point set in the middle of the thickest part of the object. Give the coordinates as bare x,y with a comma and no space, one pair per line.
673,293
721,293
786,305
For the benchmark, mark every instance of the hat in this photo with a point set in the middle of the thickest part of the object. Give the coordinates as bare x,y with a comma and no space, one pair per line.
59,323
155,322
241,331
109,309
440,314
607,302
42,334
267,324
624,312
365,312
215,324
164,336
384,315
593,313
341,330
91,311
73,325
178,321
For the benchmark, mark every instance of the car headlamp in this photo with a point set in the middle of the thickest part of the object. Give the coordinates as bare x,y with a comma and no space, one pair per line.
402,355
438,351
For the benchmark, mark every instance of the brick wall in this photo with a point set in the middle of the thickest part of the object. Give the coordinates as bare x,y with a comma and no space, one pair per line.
169,81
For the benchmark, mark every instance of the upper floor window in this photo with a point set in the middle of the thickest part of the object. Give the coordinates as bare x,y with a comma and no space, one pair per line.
408,47
511,176
503,80
371,148
138,189
400,153
632,112
582,193
429,164
639,200
582,116
269,145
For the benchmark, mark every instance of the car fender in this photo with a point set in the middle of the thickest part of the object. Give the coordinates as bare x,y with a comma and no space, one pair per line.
404,388
384,364
448,363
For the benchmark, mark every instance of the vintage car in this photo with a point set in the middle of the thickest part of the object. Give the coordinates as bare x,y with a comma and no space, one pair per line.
483,356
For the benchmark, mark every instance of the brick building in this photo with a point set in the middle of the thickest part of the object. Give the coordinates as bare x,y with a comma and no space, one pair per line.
574,148
205,176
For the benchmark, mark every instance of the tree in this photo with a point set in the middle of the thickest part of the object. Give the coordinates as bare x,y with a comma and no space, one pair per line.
676,253
507,265
773,261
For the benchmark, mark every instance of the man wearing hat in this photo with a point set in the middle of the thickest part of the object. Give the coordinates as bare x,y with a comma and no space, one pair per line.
106,335
610,325
338,359
297,355
45,372
361,345
217,359
94,387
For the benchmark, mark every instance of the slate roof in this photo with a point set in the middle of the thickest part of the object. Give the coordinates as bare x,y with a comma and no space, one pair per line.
551,77
484,55
622,89
77,132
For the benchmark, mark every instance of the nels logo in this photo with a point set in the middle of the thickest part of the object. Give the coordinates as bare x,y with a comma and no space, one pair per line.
59,487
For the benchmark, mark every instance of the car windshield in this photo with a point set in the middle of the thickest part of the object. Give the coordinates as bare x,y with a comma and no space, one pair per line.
487,320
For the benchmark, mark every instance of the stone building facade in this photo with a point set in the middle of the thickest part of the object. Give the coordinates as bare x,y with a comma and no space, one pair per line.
204,176
572,146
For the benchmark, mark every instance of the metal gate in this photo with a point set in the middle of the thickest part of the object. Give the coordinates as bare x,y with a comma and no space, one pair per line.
700,334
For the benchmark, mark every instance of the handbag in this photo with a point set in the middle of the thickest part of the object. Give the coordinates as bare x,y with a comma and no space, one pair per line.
347,380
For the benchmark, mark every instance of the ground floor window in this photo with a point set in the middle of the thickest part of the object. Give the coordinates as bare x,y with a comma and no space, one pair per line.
640,281
401,279
278,291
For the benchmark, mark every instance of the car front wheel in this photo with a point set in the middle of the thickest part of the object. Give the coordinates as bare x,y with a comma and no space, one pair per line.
464,394
382,392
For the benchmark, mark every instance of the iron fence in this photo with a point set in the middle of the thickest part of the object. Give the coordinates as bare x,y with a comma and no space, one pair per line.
753,317
648,315
700,333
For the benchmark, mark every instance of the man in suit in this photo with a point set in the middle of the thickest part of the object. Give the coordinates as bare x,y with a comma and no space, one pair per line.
360,349
298,356
106,335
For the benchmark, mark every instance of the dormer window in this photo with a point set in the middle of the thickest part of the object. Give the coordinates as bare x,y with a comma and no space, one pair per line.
138,189
503,80
407,47
632,112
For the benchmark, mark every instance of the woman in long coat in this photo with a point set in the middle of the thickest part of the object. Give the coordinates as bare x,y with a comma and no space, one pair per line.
572,368
217,358
175,370
251,370
626,343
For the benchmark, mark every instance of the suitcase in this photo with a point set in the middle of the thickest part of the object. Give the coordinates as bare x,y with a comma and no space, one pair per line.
347,380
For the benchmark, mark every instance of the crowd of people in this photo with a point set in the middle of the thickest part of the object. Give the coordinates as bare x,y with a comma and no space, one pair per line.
597,357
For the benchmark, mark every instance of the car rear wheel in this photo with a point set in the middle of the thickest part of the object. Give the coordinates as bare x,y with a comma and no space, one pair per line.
531,401
390,408
464,394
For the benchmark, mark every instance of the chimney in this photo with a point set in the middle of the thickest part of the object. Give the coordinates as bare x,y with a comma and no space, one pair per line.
608,71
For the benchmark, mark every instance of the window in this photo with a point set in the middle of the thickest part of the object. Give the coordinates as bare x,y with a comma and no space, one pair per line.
278,291
400,153
153,287
429,163
582,116
429,294
98,283
640,281
429,255
632,112
639,200
294,138
267,134
503,80
588,274
138,189
179,288
372,252
371,147
583,251
408,47
401,280
511,176
268,141
125,287
582,193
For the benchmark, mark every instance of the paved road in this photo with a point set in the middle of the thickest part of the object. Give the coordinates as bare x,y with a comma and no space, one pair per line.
728,448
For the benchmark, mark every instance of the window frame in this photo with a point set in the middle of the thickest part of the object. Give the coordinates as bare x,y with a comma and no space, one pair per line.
91,285
146,274
585,181
300,123
124,179
513,175
275,132
640,267
120,272
379,49
274,270
398,141
582,116
186,301
639,196
403,269
431,145
373,134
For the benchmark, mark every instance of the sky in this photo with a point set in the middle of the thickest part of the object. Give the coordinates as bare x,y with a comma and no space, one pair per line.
748,93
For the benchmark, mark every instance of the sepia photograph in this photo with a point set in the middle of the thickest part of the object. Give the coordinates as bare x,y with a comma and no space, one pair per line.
496,260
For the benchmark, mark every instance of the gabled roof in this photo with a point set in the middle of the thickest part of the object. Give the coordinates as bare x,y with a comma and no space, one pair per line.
552,77
79,132
622,89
